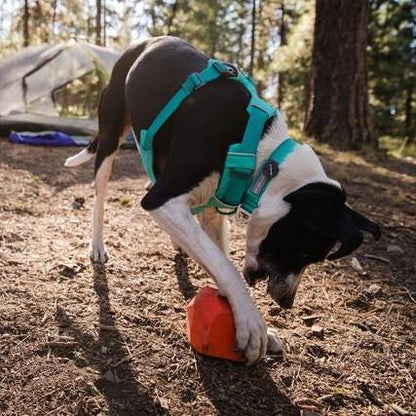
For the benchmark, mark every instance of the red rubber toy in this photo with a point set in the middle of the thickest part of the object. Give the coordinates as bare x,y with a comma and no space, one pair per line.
210,325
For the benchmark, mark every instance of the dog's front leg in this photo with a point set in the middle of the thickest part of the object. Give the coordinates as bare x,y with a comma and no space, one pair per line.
175,218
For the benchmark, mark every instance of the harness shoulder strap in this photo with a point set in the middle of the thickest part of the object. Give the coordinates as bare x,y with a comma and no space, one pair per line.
269,169
214,70
240,162
236,189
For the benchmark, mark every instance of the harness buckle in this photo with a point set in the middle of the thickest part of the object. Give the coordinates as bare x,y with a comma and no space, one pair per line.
225,69
242,215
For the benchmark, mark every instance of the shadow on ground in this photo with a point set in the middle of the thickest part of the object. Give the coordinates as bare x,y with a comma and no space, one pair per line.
233,388
124,394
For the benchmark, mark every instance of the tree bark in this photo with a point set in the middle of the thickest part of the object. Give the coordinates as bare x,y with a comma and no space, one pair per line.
337,110
172,17
408,113
98,17
283,42
104,36
54,7
253,37
26,39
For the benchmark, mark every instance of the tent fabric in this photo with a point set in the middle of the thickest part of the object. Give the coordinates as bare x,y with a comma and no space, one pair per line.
29,78
39,122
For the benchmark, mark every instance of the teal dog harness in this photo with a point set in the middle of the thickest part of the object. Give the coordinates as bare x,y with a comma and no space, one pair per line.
238,189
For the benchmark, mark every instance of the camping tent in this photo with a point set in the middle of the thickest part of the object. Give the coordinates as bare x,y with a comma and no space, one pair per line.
29,79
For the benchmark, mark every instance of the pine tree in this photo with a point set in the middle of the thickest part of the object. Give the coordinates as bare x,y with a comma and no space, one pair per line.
338,103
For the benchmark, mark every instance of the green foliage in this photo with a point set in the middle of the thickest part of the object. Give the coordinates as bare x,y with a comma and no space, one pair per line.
222,28
293,61
391,64
217,27
80,97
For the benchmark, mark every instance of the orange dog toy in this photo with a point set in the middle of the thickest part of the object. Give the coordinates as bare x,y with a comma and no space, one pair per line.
210,325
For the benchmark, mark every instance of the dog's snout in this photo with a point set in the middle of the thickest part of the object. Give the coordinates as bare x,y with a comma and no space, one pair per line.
253,274
286,302
283,290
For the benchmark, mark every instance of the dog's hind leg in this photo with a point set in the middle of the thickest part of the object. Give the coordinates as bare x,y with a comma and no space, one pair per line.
216,226
113,126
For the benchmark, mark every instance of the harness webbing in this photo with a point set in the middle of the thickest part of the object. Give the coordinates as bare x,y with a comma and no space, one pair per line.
237,188
214,70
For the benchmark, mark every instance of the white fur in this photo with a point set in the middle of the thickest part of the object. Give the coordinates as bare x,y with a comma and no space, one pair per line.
204,190
98,252
274,344
301,167
293,281
175,218
216,226
78,159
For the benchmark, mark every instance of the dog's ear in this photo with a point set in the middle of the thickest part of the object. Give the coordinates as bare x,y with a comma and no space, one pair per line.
323,209
317,204
347,233
364,223
349,227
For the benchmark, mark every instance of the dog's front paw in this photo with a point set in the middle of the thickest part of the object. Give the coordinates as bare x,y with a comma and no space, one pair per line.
251,334
98,254
274,343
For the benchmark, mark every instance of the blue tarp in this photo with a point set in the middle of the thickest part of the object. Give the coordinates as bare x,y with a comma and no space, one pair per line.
56,138
47,138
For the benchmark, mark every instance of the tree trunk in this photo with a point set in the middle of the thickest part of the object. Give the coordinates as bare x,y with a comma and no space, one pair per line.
98,17
262,37
408,115
253,37
283,42
337,110
26,39
172,17
104,37
54,7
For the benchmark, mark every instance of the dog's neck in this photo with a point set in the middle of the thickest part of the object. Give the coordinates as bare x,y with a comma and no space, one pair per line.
302,166
273,137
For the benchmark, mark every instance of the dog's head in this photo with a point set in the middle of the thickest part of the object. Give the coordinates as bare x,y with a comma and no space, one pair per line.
301,219
318,218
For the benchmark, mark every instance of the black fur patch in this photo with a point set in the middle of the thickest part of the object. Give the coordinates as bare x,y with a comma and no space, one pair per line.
194,142
317,220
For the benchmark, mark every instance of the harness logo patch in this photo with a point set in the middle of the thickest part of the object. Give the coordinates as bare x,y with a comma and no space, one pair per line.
269,170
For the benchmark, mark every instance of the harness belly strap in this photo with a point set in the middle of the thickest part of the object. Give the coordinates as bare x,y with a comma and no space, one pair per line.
236,188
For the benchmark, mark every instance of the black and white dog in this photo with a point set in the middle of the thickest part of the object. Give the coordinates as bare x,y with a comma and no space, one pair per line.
300,218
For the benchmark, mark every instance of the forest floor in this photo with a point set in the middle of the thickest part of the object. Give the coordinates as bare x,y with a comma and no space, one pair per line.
78,340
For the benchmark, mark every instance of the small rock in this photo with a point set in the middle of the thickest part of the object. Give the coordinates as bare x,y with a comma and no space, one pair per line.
356,265
317,331
78,203
373,290
360,302
310,319
306,401
394,249
309,412
109,376
61,315
124,200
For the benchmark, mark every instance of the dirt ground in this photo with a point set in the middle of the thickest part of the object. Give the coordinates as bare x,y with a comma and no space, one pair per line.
75,340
